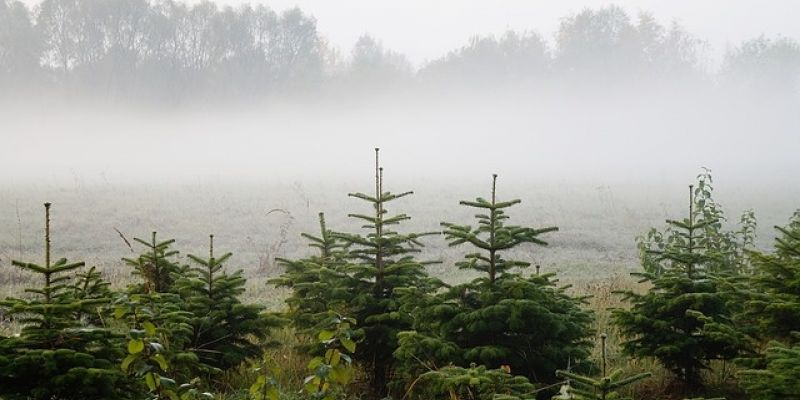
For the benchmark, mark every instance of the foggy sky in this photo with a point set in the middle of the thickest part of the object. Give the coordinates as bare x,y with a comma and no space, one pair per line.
593,134
425,30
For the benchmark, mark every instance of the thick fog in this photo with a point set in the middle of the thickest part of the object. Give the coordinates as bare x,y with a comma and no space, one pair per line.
137,91
196,118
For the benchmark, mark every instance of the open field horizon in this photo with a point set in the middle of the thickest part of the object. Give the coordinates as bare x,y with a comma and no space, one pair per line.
259,221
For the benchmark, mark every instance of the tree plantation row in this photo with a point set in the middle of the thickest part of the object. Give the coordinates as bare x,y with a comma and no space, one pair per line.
364,319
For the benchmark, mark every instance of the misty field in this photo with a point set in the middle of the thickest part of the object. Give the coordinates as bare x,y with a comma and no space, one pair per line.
257,222
594,249
399,200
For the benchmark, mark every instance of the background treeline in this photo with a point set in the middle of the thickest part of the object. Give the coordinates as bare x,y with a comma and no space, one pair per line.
168,50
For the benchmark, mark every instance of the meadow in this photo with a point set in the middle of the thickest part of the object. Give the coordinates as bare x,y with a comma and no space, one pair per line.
258,221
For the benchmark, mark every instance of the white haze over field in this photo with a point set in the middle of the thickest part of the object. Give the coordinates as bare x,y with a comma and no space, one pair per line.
603,137
202,119
656,131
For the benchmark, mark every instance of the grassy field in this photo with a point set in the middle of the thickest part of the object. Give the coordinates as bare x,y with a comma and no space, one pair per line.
260,221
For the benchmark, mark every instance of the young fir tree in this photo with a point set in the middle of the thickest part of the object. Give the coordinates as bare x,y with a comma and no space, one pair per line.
728,247
155,266
224,330
685,318
380,263
148,352
157,294
778,378
772,293
57,355
473,383
772,307
319,283
503,317
581,387
90,288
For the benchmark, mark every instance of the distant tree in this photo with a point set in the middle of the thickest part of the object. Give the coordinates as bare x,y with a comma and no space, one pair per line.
596,42
20,45
125,26
57,355
372,65
239,40
669,52
71,34
526,323
173,50
764,65
297,51
512,59
606,45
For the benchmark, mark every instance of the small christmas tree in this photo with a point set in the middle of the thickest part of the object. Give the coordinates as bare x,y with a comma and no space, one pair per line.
157,294
492,236
726,248
772,307
94,294
379,264
581,387
502,317
319,282
224,331
779,379
155,266
473,383
773,292
57,355
684,320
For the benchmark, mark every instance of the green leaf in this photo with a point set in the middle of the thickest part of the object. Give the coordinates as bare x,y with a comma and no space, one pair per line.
150,381
135,346
326,335
349,345
162,362
314,363
127,361
149,328
335,357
